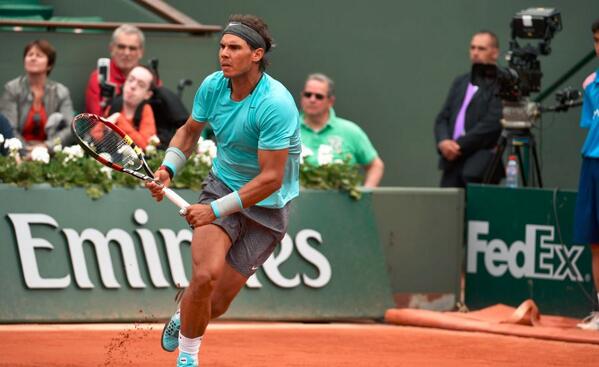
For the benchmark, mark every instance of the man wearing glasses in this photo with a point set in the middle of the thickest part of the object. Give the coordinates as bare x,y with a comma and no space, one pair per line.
327,138
126,50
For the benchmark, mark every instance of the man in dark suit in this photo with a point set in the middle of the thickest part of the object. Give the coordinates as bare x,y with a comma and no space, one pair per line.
468,126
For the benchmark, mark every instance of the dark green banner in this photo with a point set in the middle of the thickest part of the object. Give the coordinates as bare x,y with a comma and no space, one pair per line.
65,257
519,246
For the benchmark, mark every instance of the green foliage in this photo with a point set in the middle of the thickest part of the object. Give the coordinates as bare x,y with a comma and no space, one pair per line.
65,170
334,176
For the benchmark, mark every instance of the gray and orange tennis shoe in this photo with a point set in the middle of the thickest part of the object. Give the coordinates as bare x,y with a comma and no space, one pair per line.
170,333
186,360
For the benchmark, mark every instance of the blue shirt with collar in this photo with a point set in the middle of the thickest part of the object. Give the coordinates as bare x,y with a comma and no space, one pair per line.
267,119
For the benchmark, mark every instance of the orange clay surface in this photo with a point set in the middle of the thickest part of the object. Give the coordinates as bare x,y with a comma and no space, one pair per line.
284,344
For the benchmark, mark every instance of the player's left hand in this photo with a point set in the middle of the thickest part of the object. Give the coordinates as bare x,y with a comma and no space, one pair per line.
199,215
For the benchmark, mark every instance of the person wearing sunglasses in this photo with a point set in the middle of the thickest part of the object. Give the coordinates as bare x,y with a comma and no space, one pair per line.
39,109
126,51
320,127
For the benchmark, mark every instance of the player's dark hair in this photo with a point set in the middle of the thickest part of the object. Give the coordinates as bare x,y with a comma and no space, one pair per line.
595,26
259,26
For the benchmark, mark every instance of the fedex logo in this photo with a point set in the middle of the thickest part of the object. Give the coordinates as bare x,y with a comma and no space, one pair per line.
536,257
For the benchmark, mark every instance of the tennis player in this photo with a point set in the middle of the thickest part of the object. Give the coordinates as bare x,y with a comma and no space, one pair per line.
243,208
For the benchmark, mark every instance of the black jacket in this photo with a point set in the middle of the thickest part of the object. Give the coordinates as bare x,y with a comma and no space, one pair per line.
482,124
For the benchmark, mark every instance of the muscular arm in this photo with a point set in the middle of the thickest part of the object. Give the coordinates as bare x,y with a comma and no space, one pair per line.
272,169
374,172
187,136
185,139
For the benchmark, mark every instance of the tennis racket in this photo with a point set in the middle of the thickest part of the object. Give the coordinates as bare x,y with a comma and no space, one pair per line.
109,145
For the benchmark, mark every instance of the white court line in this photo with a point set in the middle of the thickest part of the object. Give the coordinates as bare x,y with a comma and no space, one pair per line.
212,326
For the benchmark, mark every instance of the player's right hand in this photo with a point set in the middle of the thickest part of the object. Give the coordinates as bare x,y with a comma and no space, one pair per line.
156,187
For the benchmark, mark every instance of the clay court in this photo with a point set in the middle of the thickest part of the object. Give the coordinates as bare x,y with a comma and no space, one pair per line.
284,344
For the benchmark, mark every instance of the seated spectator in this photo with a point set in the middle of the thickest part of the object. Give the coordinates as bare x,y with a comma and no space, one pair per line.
320,126
5,132
136,118
39,109
126,51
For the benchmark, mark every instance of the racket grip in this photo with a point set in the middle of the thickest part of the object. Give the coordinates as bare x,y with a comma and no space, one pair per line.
175,198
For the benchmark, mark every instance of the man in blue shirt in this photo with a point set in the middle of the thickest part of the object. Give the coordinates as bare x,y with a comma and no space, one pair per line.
243,208
586,228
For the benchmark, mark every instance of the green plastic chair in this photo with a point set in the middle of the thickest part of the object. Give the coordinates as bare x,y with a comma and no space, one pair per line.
25,10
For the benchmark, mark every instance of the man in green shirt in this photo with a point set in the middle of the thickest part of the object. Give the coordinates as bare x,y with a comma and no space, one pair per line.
327,138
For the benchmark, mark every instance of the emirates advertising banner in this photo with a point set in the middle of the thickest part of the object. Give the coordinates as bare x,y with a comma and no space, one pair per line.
65,257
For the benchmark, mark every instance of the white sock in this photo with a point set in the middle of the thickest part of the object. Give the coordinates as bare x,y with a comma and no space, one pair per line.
190,345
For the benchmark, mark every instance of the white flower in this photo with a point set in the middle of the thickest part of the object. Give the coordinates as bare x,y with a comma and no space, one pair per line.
1,138
13,144
73,153
57,148
306,152
207,146
325,154
206,160
154,140
150,149
107,171
40,154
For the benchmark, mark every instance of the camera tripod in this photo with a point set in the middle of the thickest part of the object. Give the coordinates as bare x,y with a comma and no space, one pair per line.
515,140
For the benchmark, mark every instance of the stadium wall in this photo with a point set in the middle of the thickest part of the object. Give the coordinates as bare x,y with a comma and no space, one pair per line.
65,257
393,63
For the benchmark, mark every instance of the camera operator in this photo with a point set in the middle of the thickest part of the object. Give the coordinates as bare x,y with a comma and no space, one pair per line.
126,50
586,222
468,126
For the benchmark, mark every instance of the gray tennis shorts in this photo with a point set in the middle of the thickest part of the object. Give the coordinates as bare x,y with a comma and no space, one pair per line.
255,232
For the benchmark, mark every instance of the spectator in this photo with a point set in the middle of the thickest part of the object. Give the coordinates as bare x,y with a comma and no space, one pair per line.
586,222
126,50
321,126
39,109
468,126
136,118
5,133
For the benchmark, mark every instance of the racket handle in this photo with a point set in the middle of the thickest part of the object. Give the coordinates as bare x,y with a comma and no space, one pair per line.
175,198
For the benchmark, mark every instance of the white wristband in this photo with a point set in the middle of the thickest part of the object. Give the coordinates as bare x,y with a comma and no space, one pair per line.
227,205
174,159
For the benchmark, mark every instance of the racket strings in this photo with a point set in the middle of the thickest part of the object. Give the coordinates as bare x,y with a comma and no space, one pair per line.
107,143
